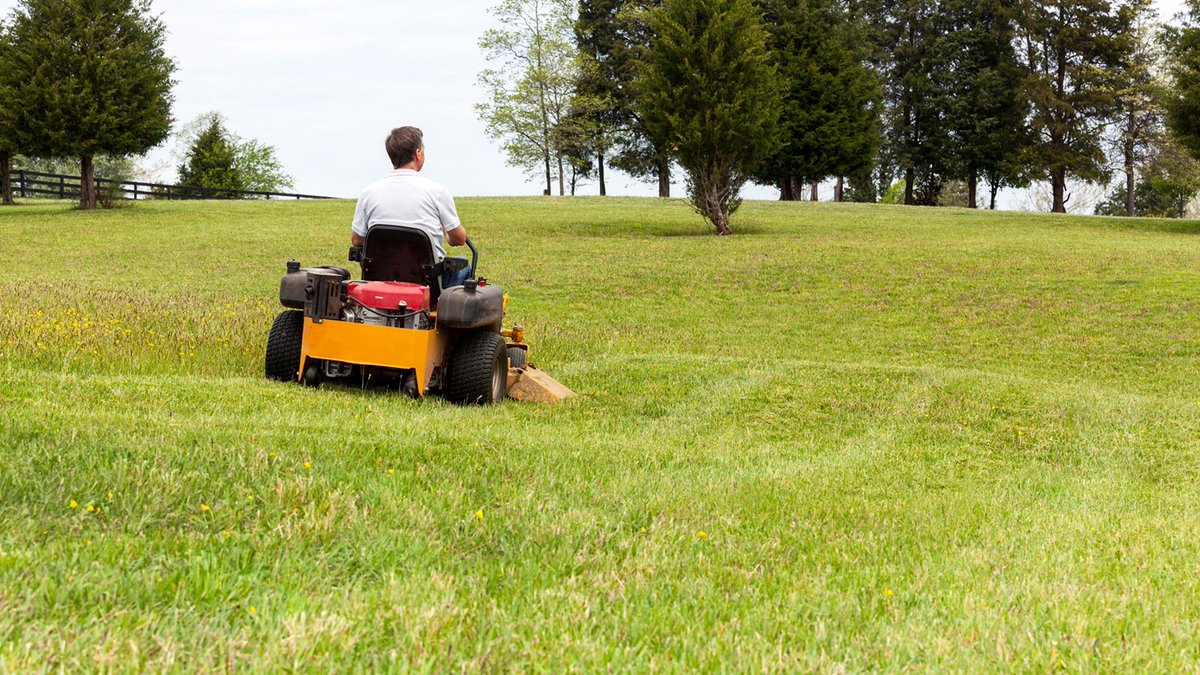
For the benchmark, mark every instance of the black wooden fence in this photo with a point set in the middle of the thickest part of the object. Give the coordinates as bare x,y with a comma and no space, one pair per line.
27,184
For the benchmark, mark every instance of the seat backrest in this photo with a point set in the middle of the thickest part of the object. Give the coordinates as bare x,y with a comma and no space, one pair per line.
394,252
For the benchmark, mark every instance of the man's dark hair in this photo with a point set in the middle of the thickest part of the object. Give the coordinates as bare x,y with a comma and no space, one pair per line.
402,145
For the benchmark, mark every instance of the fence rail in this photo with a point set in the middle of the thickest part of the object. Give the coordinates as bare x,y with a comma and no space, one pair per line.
27,184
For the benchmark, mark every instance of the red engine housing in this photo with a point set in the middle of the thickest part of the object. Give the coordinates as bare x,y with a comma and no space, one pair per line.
387,295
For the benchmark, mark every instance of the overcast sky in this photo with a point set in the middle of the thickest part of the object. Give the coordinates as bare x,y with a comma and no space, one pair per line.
325,81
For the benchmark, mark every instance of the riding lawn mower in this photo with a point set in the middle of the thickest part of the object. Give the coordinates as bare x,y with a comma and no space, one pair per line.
398,327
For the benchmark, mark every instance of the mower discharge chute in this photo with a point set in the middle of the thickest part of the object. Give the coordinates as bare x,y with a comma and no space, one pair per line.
398,326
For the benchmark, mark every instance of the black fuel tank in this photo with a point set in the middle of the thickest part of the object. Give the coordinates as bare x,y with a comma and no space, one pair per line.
471,306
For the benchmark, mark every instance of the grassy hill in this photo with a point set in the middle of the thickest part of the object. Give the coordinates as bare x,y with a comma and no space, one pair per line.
851,437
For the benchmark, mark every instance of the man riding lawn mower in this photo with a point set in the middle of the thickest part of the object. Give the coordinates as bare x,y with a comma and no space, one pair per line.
417,319
399,326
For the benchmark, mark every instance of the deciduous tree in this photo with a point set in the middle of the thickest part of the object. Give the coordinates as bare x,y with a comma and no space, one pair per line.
531,83
87,77
708,88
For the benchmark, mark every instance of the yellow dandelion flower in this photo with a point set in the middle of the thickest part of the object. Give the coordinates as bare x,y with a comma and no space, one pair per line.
308,465
110,495
253,609
226,533
91,509
250,498
204,508
391,472
73,504
702,534
888,592
479,514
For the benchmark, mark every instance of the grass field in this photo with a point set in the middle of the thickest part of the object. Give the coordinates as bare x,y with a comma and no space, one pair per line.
848,438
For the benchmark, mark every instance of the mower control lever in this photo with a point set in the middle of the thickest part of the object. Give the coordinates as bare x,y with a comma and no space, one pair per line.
474,257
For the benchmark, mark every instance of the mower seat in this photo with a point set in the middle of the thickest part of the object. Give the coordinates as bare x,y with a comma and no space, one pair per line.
395,252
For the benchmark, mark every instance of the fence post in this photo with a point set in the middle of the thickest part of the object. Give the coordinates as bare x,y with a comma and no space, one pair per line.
22,174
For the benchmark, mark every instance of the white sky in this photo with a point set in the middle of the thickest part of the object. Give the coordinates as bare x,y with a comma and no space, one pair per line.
325,81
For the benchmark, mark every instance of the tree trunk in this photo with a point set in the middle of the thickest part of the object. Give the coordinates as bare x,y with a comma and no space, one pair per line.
719,217
6,177
839,189
87,183
561,190
549,184
1130,178
909,179
973,190
994,188
603,189
1058,182
786,194
812,191
664,178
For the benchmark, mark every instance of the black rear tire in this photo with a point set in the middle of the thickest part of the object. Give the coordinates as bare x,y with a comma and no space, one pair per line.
478,372
283,346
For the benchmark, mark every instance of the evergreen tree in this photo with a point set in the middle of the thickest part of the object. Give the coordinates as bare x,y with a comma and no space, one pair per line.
917,137
87,77
7,143
829,123
1072,51
611,35
212,163
256,164
708,88
986,109
1183,103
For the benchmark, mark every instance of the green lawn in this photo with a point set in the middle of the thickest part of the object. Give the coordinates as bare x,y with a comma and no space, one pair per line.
850,437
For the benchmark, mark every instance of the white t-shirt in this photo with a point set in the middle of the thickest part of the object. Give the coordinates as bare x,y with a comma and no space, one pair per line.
404,197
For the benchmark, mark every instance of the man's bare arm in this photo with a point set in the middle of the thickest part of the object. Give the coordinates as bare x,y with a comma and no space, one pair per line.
356,240
457,236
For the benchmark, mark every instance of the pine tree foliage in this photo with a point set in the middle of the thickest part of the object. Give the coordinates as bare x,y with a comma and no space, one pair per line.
708,88
986,111
257,165
87,77
212,163
7,139
829,124
612,36
1183,103
1073,50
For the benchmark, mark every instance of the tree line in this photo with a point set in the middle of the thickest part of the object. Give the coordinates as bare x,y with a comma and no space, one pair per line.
90,80
921,102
